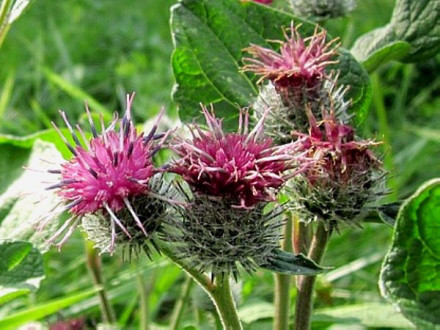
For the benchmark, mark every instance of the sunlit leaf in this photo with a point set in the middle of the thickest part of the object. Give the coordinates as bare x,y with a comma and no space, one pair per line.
410,276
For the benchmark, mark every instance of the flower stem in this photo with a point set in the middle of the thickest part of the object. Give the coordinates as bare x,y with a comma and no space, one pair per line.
180,303
304,301
219,292
283,284
95,266
225,304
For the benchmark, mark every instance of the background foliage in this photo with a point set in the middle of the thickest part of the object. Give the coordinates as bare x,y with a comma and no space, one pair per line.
60,53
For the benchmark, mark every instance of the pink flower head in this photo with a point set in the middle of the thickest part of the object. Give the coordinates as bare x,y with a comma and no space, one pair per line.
340,158
243,166
300,62
105,172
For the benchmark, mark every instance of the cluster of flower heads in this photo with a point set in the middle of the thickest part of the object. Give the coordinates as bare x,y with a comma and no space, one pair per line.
307,105
223,220
113,189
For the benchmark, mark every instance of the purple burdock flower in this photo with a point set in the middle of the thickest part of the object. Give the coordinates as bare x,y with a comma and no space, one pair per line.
299,60
298,67
299,79
243,166
105,173
346,177
232,177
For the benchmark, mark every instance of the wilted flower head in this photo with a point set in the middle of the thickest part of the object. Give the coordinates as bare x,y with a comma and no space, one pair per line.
322,9
242,166
105,173
346,176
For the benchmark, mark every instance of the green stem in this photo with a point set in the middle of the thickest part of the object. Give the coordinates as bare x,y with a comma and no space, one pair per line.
144,307
220,292
181,302
304,301
283,284
95,266
225,304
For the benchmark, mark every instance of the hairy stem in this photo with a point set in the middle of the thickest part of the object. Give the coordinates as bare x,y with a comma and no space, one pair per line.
219,292
225,304
283,284
180,303
304,298
95,267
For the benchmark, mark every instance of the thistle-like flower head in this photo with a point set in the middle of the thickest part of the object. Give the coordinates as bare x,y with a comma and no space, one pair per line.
300,62
346,176
106,172
243,166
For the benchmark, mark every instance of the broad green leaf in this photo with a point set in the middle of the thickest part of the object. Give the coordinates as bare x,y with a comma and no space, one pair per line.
256,311
414,23
410,275
372,315
209,37
42,310
26,142
393,51
21,269
26,202
291,264
12,254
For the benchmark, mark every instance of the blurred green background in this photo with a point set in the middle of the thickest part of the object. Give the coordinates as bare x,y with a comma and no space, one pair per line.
62,52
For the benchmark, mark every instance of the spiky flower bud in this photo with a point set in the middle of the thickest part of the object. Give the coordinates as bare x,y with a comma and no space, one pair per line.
298,80
322,9
232,176
105,174
346,178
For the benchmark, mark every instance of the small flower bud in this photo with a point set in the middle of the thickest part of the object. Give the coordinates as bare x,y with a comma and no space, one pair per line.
322,9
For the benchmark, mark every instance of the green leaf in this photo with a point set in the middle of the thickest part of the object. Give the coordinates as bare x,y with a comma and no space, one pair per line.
393,51
411,35
372,315
18,212
291,264
410,275
42,310
21,269
12,254
209,37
